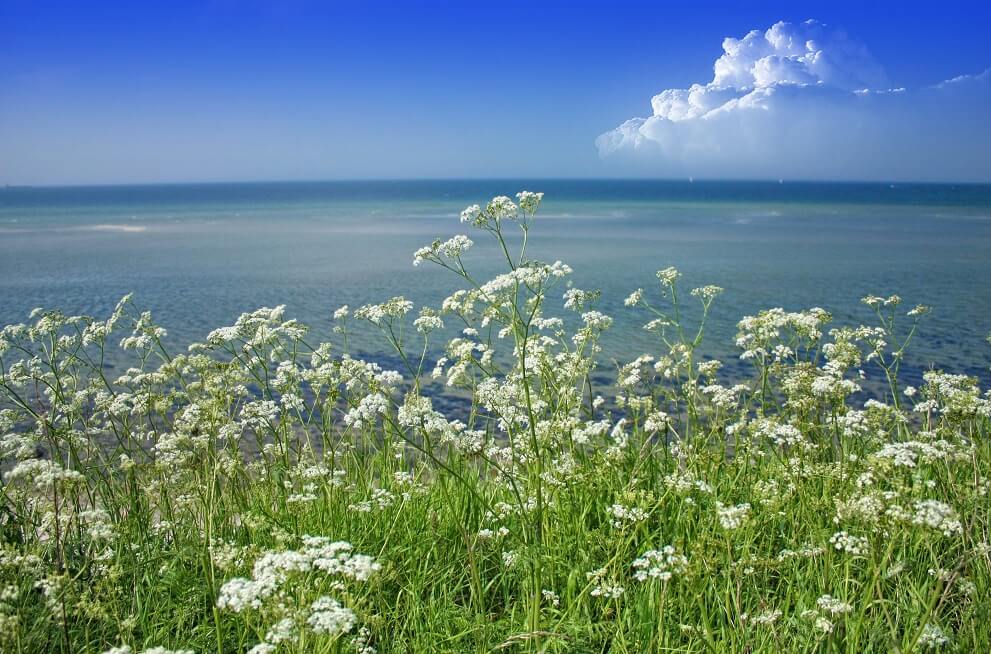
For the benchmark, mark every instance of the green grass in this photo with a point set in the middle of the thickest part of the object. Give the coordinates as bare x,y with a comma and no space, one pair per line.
171,507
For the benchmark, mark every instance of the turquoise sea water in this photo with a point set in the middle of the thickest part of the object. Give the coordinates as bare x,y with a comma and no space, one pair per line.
199,255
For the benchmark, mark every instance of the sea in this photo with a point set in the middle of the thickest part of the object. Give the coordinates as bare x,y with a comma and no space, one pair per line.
198,255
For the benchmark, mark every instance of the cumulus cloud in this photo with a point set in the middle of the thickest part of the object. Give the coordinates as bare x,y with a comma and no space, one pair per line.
806,101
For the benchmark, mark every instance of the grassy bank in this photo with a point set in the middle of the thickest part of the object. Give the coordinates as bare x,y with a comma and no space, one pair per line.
267,494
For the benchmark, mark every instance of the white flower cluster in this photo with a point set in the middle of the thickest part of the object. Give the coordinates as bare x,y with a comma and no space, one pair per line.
529,201
452,248
845,542
274,568
757,333
396,307
932,637
659,564
327,616
626,515
500,208
732,517
764,619
937,515
368,409
668,276
602,586
634,298
656,421
833,606
908,454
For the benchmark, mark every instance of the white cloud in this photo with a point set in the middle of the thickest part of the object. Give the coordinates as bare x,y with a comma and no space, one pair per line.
805,101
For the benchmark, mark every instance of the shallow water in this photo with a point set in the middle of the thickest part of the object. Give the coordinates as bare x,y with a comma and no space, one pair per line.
199,255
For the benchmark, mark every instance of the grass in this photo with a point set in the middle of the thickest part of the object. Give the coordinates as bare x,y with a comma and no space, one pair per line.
259,493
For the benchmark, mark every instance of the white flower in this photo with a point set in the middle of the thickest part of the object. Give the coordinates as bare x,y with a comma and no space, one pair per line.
932,637
452,248
327,616
551,597
833,606
501,208
473,215
668,276
634,298
427,323
529,201
844,542
938,516
659,564
576,299
601,587
656,421
763,619
824,625
623,515
732,517
596,320
376,313
707,292
367,410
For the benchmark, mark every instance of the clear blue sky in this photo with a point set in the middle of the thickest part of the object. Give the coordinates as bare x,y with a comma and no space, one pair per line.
109,92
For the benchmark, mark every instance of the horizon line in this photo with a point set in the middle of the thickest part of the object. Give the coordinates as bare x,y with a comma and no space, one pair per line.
496,178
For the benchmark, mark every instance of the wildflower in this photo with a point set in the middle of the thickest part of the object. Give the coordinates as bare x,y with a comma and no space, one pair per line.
473,215
932,637
501,208
763,619
577,299
657,324
844,542
668,276
596,320
635,298
397,307
529,201
732,517
707,293
327,616
369,407
656,421
428,323
601,587
833,606
452,248
623,515
362,641
938,516
659,564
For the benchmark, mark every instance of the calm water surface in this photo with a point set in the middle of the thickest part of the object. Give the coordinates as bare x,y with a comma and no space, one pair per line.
199,255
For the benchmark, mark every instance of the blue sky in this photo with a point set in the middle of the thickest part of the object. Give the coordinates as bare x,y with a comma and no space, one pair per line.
158,92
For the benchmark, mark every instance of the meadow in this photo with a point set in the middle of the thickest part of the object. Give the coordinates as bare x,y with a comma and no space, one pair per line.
262,493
